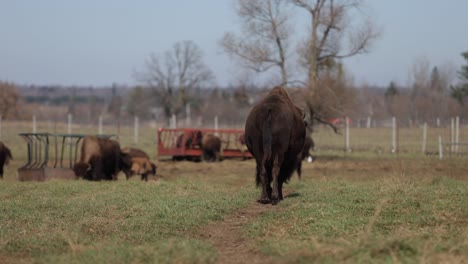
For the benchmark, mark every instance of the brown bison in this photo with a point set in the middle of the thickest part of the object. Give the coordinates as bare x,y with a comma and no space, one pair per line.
308,144
275,132
143,167
100,159
211,146
136,161
5,157
193,140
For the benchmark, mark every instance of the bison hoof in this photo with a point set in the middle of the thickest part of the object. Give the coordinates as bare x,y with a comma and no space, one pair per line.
263,201
274,201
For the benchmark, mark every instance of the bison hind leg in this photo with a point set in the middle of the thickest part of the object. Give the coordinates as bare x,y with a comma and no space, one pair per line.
264,200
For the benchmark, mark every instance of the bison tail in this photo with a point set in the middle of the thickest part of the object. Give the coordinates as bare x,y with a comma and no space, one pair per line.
267,136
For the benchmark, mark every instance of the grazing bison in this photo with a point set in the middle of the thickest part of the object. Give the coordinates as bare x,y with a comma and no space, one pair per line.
194,139
136,161
211,146
141,166
100,159
308,144
275,132
5,157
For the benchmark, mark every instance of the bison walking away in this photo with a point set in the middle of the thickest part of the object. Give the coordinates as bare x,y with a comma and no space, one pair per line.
136,161
211,146
5,157
275,132
100,159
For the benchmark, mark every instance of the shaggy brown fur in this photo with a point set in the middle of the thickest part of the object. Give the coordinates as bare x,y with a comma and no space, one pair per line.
100,159
211,146
136,161
143,167
275,132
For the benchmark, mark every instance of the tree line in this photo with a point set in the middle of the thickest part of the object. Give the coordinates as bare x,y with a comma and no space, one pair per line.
309,61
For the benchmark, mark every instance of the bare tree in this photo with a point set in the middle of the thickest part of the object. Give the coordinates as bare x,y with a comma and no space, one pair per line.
330,26
8,99
265,36
171,76
338,29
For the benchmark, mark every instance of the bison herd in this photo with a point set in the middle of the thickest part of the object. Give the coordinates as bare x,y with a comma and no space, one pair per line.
103,159
276,134
209,144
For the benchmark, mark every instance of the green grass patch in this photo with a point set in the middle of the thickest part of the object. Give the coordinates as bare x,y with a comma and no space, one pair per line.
125,221
394,219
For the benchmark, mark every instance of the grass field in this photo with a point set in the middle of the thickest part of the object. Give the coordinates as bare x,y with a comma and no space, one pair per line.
352,208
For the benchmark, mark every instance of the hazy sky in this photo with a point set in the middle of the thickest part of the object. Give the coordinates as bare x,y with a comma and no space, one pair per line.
89,42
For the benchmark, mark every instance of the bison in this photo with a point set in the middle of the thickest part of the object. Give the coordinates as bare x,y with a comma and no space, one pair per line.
143,167
5,157
211,146
136,161
275,132
194,140
100,159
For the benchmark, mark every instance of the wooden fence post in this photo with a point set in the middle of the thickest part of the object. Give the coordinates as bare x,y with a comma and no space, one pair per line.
100,125
441,155
69,130
394,136
452,134
135,131
174,121
216,125
347,143
424,138
457,133
188,116
34,128
69,123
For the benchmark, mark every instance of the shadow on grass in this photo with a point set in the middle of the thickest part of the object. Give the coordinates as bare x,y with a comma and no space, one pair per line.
293,195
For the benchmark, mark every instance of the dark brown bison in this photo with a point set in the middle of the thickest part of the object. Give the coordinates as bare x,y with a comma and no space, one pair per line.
136,162
275,132
194,139
211,146
100,159
308,144
5,157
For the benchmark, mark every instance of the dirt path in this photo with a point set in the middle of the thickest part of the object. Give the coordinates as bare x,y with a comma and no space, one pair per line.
227,238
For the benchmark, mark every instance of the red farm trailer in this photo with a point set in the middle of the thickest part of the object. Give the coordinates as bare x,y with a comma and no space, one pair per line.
182,143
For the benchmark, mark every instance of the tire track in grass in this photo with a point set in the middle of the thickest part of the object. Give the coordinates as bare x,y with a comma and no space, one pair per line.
228,239
226,236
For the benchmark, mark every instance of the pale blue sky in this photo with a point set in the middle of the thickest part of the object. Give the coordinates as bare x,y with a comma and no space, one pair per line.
98,42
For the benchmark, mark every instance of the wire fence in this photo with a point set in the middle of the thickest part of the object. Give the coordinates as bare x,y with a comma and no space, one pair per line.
392,138
384,136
